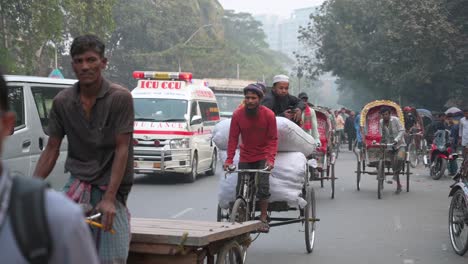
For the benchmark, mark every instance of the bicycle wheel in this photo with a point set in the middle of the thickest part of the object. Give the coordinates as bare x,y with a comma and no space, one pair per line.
458,227
239,212
358,176
380,178
413,155
231,253
309,213
332,167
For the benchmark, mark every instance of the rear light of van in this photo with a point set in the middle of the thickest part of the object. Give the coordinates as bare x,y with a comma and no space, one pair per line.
180,76
135,142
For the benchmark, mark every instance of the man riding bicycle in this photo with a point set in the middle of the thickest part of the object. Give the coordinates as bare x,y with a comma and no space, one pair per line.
392,131
256,124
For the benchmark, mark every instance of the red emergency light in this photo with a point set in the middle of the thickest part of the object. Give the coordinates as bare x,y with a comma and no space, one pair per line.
180,76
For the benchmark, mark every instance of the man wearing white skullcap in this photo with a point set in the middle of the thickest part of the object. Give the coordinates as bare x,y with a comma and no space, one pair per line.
281,102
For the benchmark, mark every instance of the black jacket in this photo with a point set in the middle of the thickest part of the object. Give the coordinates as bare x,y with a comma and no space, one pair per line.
280,104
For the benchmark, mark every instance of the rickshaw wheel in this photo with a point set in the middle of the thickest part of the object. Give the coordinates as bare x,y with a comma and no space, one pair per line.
332,181
322,175
231,253
407,176
413,158
239,212
457,223
309,213
380,178
358,176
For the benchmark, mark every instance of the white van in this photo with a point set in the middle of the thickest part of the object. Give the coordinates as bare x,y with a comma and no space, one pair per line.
31,100
174,119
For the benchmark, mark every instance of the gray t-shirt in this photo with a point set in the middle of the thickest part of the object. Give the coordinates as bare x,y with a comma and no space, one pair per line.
72,242
91,143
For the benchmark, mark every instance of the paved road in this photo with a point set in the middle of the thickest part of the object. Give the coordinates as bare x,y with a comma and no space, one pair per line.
354,228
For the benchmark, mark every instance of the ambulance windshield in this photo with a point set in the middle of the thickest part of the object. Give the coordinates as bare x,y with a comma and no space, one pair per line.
160,110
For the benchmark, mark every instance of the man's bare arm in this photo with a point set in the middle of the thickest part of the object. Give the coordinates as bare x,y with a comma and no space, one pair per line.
48,158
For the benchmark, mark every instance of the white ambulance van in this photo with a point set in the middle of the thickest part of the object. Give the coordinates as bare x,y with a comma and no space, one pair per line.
174,119
31,100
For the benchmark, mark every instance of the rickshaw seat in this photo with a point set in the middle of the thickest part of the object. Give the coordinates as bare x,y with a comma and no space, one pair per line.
372,138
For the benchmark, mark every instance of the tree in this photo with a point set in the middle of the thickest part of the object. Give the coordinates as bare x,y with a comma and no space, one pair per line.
31,31
392,49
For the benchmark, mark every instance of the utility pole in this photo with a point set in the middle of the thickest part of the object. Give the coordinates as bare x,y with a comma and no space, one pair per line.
238,74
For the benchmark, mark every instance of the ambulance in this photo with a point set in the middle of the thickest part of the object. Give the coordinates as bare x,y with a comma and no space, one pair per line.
174,119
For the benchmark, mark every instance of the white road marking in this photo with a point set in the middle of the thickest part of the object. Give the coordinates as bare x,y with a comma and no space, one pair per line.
181,213
408,261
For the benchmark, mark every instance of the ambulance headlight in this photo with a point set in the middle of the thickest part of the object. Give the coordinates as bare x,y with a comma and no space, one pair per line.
182,143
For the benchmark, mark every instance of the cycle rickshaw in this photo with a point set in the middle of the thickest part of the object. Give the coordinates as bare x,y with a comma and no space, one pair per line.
246,207
374,153
325,154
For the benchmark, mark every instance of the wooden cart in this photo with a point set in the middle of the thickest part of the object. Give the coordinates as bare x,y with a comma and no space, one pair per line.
176,241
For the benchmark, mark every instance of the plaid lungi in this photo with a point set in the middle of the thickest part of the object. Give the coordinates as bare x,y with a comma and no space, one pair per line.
112,248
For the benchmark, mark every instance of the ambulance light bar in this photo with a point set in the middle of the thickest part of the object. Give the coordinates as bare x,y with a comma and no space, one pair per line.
181,76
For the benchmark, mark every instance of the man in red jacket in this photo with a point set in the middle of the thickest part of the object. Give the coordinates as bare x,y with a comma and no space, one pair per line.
256,124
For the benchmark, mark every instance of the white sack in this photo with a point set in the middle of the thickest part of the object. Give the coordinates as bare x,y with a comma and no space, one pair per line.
286,180
291,138
221,134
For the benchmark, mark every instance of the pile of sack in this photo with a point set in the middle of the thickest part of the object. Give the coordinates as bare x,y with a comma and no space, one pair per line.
288,176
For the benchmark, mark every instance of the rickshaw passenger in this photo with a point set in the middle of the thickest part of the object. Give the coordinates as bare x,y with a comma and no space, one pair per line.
281,102
392,131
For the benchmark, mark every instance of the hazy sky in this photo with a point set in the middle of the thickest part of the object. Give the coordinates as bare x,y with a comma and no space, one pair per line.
278,7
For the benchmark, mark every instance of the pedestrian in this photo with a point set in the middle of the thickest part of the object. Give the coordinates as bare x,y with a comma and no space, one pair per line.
256,124
463,132
339,127
309,118
47,229
393,131
281,102
350,130
97,117
454,129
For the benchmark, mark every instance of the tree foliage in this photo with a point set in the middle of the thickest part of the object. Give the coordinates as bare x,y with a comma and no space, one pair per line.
32,30
397,49
197,36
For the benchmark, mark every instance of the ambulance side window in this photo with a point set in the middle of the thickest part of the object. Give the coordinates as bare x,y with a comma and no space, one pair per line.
209,111
193,110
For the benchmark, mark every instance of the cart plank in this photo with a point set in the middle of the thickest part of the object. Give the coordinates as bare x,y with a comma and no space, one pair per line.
188,233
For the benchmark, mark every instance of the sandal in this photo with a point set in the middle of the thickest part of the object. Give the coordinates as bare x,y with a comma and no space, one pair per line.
265,228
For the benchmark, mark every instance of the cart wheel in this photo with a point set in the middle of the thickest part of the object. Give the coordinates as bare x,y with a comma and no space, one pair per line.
380,178
309,213
458,228
333,181
358,176
239,212
413,155
230,253
407,176
322,175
